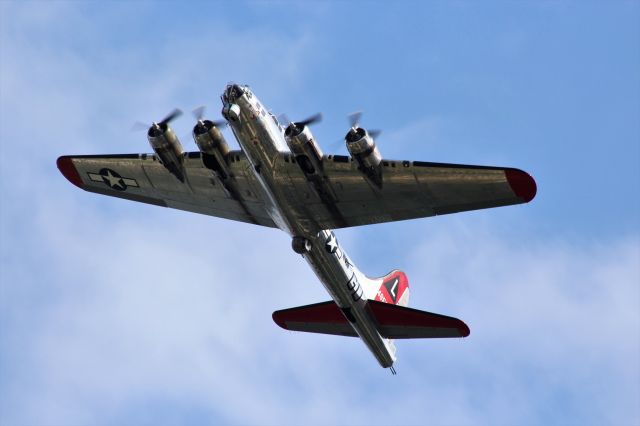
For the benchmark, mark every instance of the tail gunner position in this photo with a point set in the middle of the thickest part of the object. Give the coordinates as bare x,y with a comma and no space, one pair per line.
280,178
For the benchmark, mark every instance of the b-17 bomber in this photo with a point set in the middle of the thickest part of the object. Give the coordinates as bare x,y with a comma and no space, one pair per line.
280,178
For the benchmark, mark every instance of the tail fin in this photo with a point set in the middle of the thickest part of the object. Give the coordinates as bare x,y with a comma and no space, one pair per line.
393,288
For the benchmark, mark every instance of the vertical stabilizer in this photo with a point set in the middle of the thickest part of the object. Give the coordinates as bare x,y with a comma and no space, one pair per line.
393,288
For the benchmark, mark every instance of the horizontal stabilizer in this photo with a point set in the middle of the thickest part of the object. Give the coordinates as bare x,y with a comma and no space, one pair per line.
399,322
393,321
325,318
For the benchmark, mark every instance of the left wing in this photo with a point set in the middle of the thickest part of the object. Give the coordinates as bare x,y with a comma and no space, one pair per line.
140,177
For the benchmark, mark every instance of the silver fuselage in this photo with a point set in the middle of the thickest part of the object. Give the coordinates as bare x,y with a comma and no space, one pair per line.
263,142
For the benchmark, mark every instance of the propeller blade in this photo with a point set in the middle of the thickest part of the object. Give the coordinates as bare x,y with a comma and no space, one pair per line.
283,119
374,133
198,113
172,116
335,146
139,126
354,118
311,120
220,123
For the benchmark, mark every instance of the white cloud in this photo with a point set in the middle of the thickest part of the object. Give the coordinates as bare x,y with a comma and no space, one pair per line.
158,309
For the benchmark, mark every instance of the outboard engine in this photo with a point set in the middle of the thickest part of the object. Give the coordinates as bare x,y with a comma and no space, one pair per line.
167,147
364,151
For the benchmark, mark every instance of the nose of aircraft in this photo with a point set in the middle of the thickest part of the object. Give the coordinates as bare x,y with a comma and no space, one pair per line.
233,91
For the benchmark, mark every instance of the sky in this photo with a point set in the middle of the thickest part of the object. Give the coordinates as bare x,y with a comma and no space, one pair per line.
117,313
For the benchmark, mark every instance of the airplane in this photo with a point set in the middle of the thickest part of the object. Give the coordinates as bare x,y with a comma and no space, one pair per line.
280,178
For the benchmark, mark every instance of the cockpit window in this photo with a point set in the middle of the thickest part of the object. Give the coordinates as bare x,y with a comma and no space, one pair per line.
233,92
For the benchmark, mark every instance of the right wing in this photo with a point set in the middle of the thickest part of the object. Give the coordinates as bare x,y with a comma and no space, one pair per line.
140,177
410,190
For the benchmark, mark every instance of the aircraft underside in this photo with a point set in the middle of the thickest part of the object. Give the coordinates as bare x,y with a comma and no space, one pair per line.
281,178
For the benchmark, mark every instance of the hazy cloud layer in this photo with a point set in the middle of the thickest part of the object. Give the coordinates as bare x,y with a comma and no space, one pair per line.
134,313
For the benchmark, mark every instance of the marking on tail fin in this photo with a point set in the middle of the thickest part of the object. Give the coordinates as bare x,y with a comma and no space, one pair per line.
391,288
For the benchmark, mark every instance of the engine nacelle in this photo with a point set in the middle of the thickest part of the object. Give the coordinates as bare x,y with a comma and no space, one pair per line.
364,151
304,148
167,147
211,142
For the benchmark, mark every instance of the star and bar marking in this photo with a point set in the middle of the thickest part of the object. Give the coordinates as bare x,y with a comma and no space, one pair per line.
113,180
332,247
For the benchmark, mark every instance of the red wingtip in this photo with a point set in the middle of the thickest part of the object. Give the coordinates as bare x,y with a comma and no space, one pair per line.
522,184
66,167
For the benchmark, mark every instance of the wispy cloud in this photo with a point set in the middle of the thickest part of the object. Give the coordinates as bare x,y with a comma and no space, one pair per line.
136,316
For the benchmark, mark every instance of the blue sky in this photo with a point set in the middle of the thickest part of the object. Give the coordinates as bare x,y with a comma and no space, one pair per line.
118,313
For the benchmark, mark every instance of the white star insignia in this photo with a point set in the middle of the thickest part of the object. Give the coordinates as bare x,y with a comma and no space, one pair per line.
331,244
114,181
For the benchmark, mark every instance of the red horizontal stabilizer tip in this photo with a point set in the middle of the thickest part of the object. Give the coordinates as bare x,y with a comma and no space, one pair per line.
522,184
66,167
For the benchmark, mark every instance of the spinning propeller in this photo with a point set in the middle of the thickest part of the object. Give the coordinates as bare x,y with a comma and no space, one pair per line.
316,118
311,120
204,126
198,114
138,126
354,121
294,128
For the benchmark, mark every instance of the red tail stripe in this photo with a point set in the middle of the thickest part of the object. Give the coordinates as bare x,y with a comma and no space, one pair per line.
403,285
